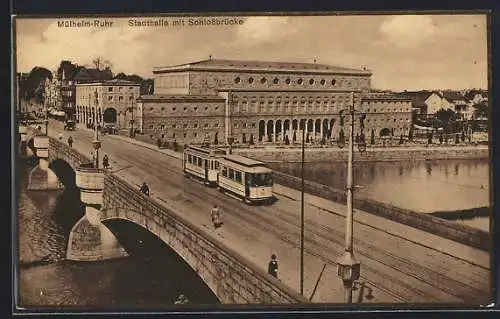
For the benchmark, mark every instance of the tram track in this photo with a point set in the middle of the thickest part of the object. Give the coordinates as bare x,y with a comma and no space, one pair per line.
290,235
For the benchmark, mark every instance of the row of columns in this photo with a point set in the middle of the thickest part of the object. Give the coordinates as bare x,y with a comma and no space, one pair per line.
296,128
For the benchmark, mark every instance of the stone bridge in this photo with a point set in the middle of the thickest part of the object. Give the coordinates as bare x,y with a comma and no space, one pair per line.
231,277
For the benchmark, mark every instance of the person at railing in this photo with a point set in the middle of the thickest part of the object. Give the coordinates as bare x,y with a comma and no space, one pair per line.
144,189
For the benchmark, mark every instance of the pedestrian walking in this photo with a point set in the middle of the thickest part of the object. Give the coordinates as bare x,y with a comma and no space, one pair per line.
272,268
215,215
105,161
70,141
144,189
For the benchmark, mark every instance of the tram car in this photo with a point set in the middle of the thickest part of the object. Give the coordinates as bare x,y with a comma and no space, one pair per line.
201,163
245,178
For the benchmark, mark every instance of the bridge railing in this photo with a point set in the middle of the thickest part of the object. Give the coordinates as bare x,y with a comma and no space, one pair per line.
457,232
229,262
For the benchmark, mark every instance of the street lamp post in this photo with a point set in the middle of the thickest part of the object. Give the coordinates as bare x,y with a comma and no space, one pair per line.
348,268
302,217
96,143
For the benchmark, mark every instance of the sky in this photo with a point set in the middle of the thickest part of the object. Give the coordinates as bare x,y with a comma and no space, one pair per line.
404,52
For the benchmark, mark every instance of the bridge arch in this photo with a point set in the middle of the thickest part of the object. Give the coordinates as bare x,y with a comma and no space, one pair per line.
173,242
64,172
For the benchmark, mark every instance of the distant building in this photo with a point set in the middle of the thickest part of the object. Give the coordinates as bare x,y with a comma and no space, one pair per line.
108,102
223,100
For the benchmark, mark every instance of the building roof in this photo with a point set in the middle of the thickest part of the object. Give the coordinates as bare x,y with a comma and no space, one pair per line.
216,64
177,97
472,93
93,75
385,96
453,96
418,98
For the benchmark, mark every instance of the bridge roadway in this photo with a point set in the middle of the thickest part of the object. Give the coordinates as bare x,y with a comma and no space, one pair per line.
400,263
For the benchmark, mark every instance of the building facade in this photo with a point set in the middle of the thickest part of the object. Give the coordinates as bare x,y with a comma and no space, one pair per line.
264,102
107,103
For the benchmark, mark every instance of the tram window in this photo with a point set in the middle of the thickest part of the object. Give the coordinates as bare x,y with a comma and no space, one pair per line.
199,162
224,171
237,176
231,173
216,165
189,158
263,179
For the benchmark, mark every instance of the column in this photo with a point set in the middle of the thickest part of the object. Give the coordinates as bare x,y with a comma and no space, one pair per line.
321,128
264,138
314,130
274,132
283,130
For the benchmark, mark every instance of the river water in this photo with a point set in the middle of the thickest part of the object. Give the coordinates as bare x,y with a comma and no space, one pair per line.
422,186
151,278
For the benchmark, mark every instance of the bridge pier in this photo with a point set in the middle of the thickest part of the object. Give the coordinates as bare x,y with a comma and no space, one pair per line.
89,239
41,177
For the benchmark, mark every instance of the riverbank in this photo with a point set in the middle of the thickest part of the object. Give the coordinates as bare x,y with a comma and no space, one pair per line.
274,154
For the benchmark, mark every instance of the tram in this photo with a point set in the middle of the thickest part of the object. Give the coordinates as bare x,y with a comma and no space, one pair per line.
245,178
202,163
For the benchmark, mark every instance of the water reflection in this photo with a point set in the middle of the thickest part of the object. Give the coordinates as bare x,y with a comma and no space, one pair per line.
151,278
424,186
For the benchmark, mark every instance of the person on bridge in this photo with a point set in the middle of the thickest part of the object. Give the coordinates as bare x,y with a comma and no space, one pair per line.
272,268
70,141
105,161
215,215
144,189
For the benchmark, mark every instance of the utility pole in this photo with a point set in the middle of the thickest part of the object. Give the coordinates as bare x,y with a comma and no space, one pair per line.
348,268
302,218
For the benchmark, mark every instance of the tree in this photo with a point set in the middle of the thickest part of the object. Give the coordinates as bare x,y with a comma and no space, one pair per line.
99,63
33,87
446,116
481,110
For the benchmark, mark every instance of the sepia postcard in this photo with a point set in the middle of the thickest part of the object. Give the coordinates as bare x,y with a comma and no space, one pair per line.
175,162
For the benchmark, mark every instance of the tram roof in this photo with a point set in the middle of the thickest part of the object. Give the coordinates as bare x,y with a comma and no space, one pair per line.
215,151
245,164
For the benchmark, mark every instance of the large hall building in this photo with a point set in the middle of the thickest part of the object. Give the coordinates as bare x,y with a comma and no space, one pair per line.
260,102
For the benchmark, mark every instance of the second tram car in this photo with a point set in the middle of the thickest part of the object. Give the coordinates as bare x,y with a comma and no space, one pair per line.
248,179
202,163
